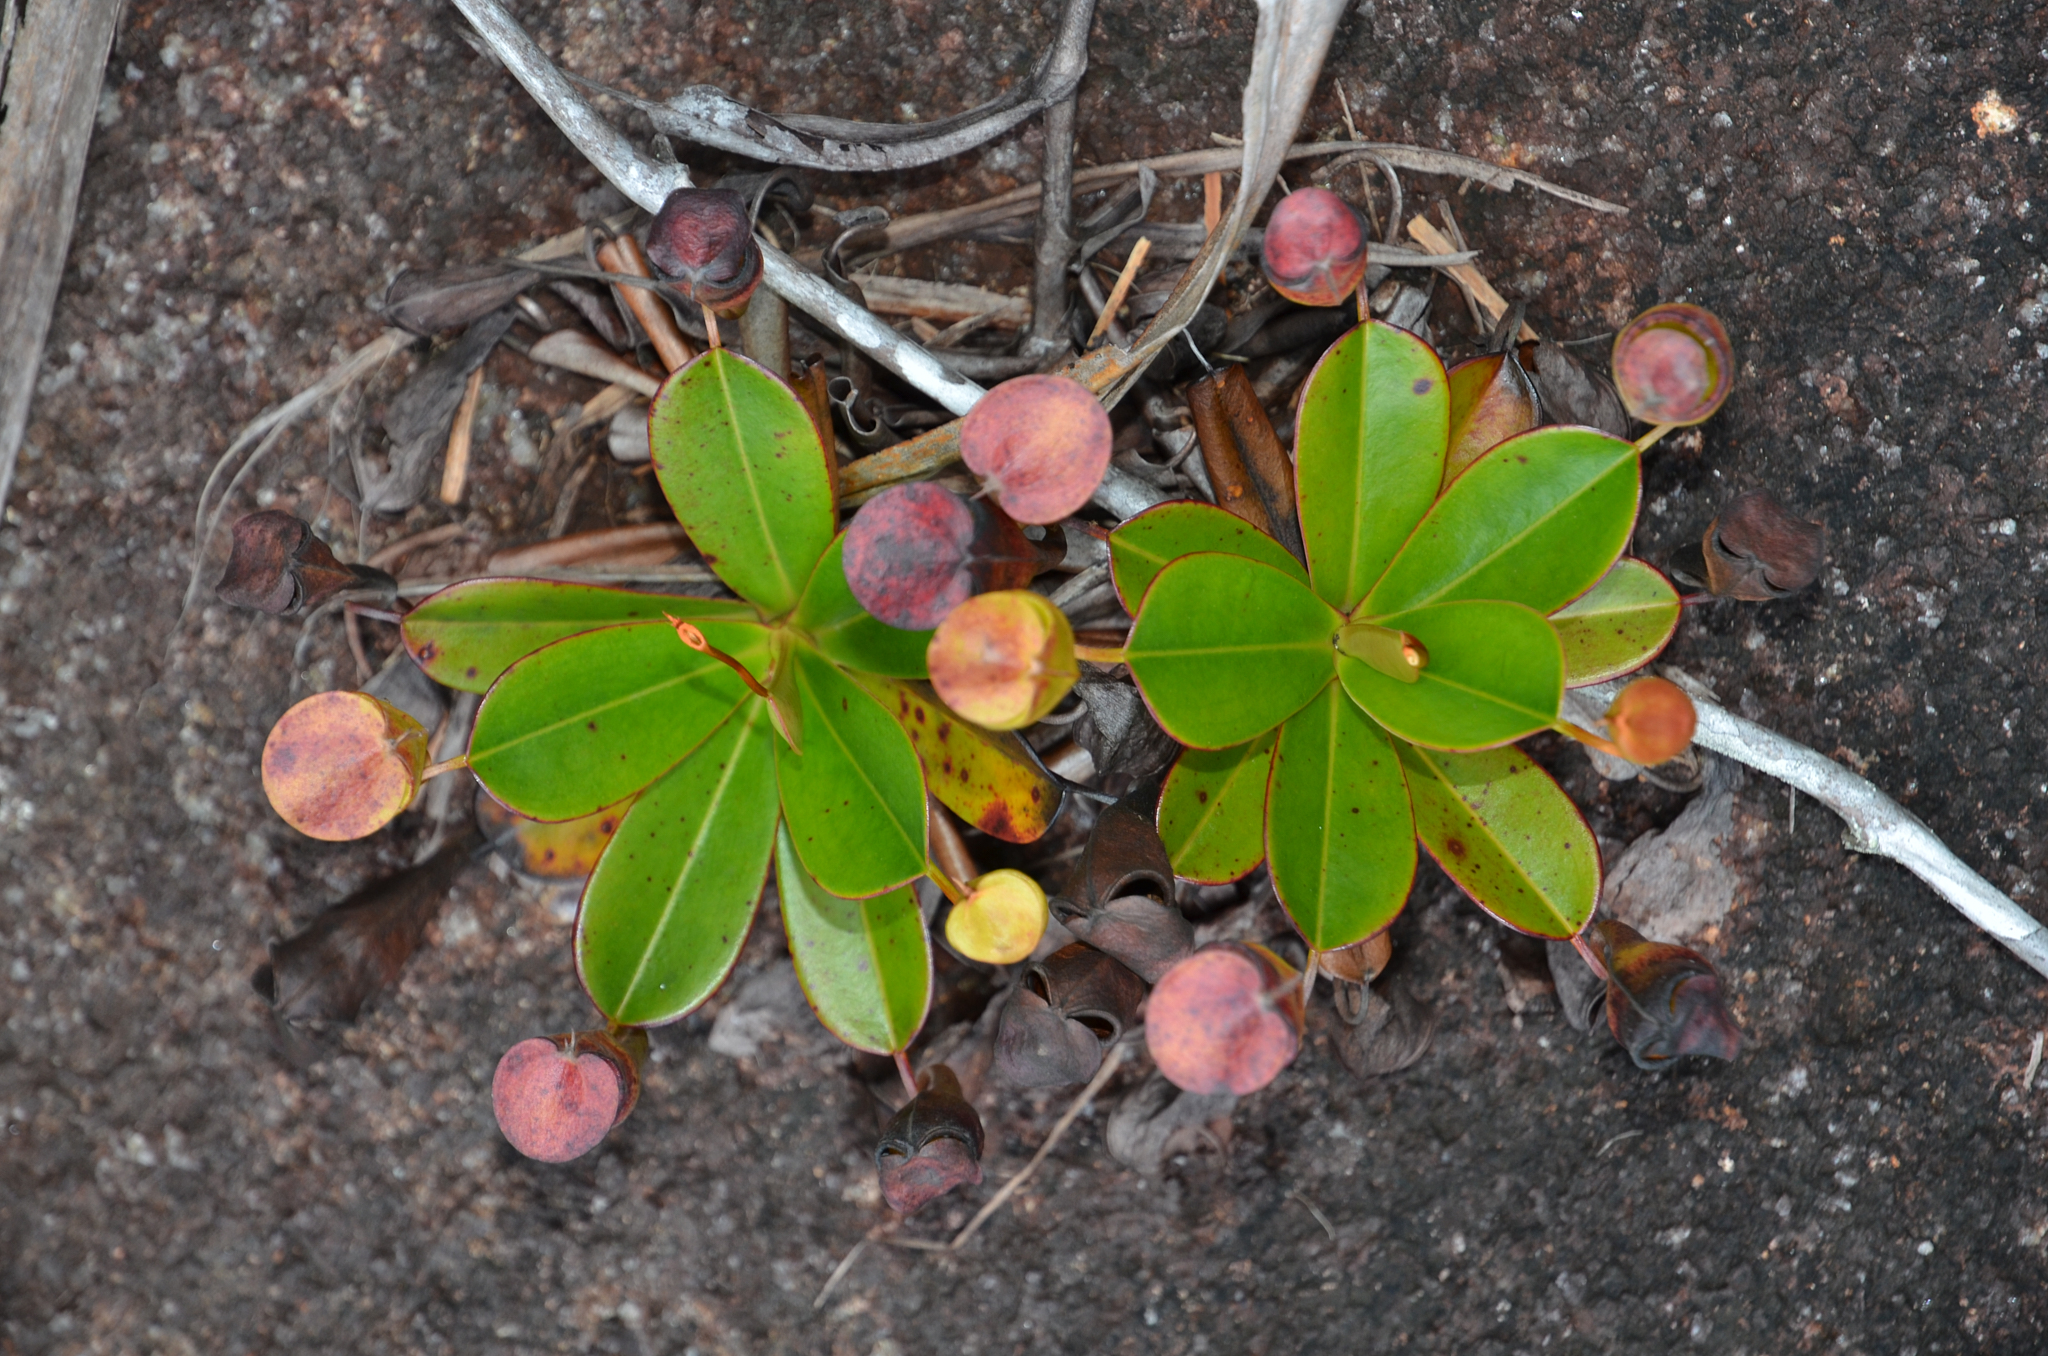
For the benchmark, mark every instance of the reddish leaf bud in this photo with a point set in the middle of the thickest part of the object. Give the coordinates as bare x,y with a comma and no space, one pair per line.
1226,1019
1314,251
702,241
1673,364
1651,721
556,1097
931,1146
1756,551
915,552
1663,1001
1041,442
1003,660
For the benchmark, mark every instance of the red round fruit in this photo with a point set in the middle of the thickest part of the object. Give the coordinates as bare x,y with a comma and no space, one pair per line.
1314,251
1224,1020
1041,442
908,555
1673,364
552,1103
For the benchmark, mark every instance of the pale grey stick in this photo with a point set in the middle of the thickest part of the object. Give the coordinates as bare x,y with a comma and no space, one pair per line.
649,183
1877,824
52,88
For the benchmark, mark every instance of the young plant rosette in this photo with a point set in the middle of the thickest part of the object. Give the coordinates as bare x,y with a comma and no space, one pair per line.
1337,712
784,727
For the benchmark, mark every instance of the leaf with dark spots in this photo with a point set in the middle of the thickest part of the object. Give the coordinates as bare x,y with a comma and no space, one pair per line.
1664,1001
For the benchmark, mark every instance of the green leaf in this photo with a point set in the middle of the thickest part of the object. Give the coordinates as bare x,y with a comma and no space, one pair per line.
1369,455
592,719
1508,834
854,798
1226,648
741,465
1491,401
1617,626
832,617
1212,811
1495,673
1338,828
865,963
1146,544
671,900
989,778
469,633
1535,521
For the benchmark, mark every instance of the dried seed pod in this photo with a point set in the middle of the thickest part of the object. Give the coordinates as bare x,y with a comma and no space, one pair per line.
556,1097
1003,660
1385,1032
1226,1019
1001,920
429,301
1651,721
1315,250
341,765
1673,364
1071,1007
1041,443
915,552
1120,899
279,566
1663,1001
702,241
1756,551
931,1146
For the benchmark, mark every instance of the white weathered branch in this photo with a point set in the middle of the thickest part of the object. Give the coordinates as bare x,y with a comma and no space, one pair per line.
1877,824
648,183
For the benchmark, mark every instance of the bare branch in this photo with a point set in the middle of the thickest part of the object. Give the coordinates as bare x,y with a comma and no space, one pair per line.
1877,824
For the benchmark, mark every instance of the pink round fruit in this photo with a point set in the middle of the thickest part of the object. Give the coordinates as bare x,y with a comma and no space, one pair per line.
555,1102
1673,364
1314,251
1041,443
1226,1019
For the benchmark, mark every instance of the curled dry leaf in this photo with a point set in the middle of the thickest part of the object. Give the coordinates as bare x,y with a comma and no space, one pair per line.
351,952
1071,1007
1314,250
1226,1019
1663,1001
702,240
279,566
556,1097
1673,364
931,1146
1003,660
341,765
1756,551
1384,1030
431,300
1001,920
1041,443
1156,1121
915,552
1651,721
563,850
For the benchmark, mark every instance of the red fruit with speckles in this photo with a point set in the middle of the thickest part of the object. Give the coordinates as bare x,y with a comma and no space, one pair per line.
703,241
1041,442
1226,1019
556,1097
1314,251
915,552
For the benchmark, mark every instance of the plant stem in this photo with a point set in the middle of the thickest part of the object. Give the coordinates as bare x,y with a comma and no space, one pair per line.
1649,440
1588,738
1099,654
692,637
1589,955
455,764
903,1072
948,887
711,328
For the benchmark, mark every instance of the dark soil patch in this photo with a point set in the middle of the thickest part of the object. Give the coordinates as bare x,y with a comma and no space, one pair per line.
1867,1178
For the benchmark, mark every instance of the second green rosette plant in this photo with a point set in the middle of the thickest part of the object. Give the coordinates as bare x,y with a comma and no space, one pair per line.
1338,711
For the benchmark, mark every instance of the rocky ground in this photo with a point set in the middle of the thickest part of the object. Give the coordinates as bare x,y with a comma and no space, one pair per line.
1867,1178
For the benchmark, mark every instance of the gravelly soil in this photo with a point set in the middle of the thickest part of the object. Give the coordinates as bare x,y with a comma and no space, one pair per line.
1867,1178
